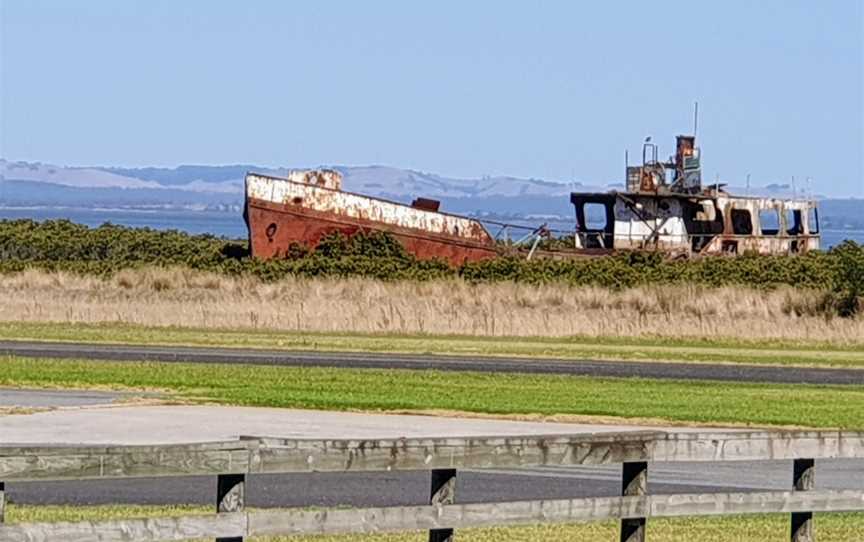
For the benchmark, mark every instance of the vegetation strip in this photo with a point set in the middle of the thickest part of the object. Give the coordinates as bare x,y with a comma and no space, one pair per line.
636,349
840,527
63,245
499,394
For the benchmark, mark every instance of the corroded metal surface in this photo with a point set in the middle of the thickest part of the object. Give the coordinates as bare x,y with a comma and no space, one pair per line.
285,211
788,238
667,209
701,224
326,178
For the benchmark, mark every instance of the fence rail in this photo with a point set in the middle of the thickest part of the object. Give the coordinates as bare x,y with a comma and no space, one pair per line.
231,461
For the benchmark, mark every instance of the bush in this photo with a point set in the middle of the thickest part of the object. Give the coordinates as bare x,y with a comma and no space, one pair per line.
848,284
63,245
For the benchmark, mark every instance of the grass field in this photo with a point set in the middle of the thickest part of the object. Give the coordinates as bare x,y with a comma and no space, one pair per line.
196,299
498,394
774,352
838,527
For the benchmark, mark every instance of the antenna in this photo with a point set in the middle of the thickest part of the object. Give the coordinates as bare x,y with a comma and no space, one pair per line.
695,117
747,192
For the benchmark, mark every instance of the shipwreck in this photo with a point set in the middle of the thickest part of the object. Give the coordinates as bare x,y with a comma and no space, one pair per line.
664,208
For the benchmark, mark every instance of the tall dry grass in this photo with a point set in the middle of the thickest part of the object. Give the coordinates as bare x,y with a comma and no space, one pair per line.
181,297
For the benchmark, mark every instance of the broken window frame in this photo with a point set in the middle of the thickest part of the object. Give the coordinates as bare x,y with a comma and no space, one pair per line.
737,218
813,221
771,226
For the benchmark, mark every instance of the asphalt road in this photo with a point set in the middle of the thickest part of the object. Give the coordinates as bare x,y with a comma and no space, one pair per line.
412,487
689,371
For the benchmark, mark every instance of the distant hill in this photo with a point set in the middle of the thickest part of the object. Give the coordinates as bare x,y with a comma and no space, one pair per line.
221,187
380,181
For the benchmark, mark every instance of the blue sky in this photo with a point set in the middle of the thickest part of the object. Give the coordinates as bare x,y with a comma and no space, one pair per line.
533,89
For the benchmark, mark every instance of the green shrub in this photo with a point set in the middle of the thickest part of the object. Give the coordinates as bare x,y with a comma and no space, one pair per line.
65,246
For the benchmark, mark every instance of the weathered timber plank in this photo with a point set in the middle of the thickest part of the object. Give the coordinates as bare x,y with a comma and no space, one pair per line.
62,449
459,516
131,463
145,530
273,455
759,445
455,516
513,452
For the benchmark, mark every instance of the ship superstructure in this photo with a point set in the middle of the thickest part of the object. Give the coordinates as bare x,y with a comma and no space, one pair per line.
664,208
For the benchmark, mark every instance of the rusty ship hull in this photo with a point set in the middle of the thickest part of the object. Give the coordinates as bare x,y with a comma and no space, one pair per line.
664,209
305,206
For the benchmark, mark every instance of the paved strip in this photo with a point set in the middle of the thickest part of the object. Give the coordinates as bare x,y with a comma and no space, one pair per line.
616,369
328,489
167,424
56,398
402,488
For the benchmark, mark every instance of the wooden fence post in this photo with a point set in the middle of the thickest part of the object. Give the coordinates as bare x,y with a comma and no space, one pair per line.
804,479
230,497
2,501
634,483
443,492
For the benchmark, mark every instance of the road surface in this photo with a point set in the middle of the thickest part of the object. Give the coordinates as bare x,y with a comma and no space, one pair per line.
412,488
689,371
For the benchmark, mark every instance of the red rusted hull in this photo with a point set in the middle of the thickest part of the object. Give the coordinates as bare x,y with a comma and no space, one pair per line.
273,227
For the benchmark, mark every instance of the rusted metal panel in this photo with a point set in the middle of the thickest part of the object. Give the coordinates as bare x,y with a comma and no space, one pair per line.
325,178
285,211
786,240
665,209
650,223
427,204
680,217
695,224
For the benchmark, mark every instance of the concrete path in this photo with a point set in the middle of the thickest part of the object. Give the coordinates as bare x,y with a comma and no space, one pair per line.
56,398
112,424
178,424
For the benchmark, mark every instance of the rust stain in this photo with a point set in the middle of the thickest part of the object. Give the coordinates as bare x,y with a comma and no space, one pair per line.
664,209
667,209
306,206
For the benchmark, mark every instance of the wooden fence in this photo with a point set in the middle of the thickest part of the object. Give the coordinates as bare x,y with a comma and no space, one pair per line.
230,462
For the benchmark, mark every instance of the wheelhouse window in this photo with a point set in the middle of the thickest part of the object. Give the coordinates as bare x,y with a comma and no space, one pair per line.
595,220
595,216
813,220
769,221
742,222
794,224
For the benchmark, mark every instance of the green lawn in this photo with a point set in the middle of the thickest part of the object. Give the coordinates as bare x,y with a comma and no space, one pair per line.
407,390
632,349
846,527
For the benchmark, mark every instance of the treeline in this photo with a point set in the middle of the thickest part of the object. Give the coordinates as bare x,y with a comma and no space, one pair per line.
66,246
